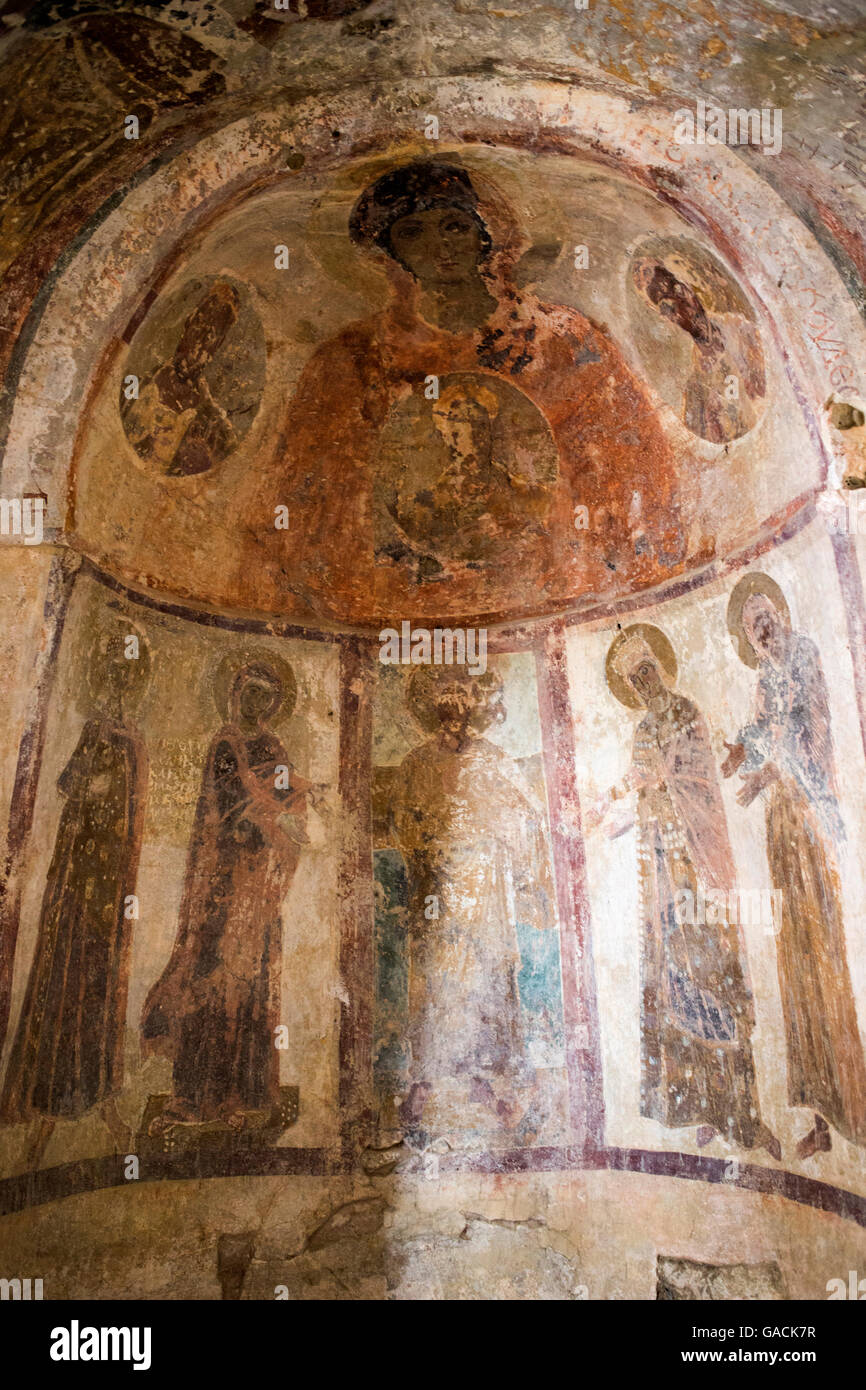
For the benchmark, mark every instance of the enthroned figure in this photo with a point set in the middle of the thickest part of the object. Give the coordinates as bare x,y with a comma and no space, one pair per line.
215,1008
68,1052
787,750
697,1013
454,308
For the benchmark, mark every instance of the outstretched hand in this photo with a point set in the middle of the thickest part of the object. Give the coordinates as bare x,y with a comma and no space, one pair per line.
736,757
753,783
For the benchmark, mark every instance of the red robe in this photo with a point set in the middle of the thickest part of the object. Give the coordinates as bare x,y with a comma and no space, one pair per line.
610,447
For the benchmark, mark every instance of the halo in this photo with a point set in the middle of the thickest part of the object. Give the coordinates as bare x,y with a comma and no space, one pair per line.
658,644
425,683
228,668
101,654
745,587
696,266
365,272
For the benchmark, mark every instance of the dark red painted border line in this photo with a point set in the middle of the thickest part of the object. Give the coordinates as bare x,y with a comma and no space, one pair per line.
580,1010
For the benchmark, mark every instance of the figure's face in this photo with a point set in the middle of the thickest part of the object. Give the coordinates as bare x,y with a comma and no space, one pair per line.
124,675
441,246
675,300
763,627
257,701
203,333
647,682
465,427
455,707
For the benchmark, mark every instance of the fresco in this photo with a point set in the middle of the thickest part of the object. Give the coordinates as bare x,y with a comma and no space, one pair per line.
724,383
426,395
215,1010
160,999
788,749
463,478
722,883
98,67
331,979
525,424
697,1012
67,1056
468,1041
198,385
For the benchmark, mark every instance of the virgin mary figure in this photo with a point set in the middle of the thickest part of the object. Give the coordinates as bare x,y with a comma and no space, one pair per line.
216,1006
454,309
697,1012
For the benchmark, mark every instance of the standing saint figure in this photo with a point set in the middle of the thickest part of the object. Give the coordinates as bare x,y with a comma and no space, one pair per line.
697,1012
788,750
68,1052
471,831
216,1006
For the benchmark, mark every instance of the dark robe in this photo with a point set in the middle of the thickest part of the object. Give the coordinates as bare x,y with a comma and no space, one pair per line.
216,1006
68,1049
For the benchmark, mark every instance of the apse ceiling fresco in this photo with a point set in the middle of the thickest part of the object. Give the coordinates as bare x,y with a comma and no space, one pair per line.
605,425
436,711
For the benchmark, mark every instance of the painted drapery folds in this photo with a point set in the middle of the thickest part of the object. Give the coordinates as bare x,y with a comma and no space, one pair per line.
68,1052
471,420
724,384
788,749
216,1008
438,712
697,1066
186,413
470,1006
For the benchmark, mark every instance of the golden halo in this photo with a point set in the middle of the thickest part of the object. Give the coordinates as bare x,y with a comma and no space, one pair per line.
747,586
427,681
228,668
660,647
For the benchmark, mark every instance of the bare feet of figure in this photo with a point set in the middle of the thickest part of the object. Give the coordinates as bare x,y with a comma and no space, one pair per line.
705,1135
818,1140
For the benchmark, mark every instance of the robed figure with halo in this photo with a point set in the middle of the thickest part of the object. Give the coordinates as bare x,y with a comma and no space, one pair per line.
68,1053
786,751
472,833
697,1012
216,1006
